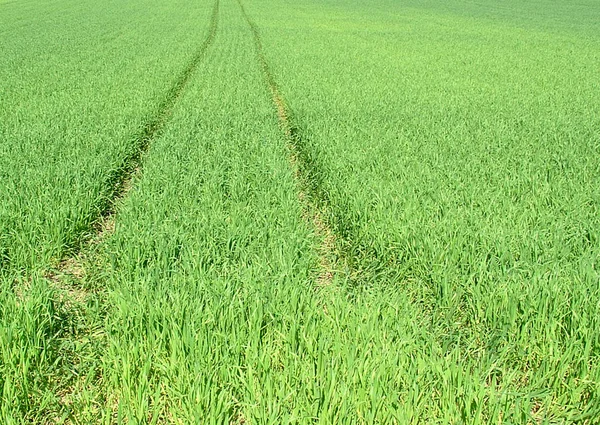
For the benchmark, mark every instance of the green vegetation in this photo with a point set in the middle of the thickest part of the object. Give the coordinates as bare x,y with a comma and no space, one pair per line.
459,159
80,83
308,212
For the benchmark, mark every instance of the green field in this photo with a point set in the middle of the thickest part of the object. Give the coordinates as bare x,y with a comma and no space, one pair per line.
276,212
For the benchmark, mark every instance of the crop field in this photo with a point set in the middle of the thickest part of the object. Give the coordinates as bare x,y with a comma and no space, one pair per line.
318,211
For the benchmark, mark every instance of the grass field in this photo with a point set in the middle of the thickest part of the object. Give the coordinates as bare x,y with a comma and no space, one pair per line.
273,212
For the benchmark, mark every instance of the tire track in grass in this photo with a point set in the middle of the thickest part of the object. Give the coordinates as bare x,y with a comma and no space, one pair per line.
121,180
308,177
81,303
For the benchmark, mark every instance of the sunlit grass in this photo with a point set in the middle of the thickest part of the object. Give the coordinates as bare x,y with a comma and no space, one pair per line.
451,149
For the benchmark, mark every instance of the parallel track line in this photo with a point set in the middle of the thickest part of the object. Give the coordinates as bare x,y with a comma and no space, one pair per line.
122,179
310,193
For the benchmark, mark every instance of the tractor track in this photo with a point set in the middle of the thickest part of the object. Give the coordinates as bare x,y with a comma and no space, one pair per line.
73,277
121,181
308,178
131,165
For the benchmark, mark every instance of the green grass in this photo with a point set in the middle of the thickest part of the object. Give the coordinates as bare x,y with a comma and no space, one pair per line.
451,148
80,85
77,93
457,150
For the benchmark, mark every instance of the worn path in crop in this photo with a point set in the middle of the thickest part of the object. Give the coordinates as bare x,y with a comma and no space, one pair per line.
71,276
122,180
132,164
306,173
